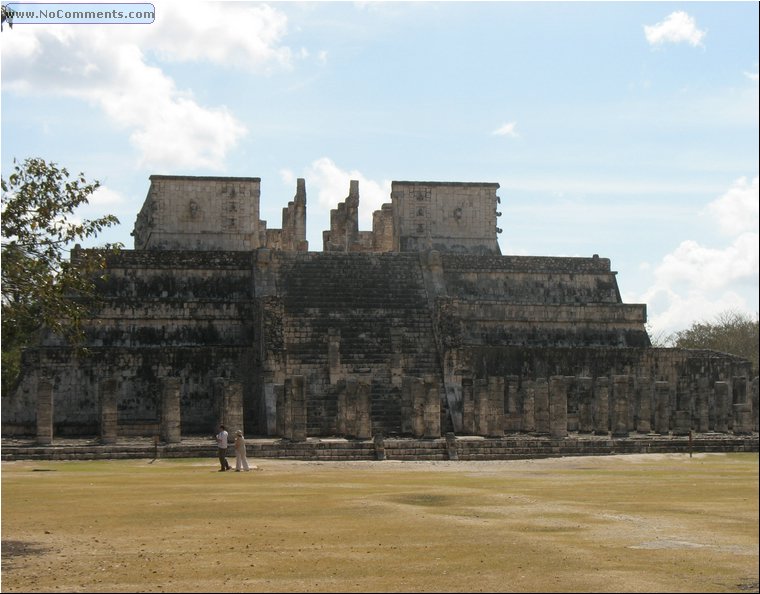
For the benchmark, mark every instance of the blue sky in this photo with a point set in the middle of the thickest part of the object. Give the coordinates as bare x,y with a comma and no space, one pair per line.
628,130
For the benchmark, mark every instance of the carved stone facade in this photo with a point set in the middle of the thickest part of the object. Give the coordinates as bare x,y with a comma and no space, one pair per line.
418,328
422,216
215,213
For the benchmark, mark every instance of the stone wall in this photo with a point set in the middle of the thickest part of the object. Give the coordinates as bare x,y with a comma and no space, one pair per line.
299,344
215,213
200,213
451,217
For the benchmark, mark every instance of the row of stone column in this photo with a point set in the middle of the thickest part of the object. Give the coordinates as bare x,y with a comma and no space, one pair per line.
617,405
489,407
420,407
228,396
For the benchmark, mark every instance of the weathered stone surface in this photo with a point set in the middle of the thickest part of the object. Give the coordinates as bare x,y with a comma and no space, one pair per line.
558,406
109,414
662,416
170,412
602,402
620,410
44,412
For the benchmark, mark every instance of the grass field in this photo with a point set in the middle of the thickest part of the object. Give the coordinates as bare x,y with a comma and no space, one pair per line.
638,523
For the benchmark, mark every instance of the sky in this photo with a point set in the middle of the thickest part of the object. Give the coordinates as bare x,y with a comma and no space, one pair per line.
623,129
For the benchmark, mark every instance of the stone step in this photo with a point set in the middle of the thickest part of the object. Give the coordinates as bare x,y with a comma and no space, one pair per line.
390,448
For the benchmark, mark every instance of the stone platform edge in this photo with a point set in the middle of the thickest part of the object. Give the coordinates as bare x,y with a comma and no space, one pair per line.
389,448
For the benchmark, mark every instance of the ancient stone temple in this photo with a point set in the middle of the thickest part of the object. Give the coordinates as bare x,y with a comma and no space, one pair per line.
418,327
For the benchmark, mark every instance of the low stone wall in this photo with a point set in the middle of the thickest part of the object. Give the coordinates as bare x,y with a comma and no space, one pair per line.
465,448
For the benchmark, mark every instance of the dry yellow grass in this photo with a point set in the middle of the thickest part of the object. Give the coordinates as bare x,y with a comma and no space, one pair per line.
659,523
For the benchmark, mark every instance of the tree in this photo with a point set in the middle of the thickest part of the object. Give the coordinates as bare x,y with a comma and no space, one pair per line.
41,287
731,332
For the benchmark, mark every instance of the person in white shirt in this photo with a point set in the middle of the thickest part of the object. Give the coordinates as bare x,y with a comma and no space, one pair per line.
221,444
241,461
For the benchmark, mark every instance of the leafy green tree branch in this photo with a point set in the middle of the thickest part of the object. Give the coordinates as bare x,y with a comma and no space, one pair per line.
44,283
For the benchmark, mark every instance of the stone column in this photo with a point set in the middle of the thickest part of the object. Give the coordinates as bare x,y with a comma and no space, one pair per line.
270,404
397,366
407,410
284,412
558,406
229,400
742,418
703,405
482,406
682,414
379,442
171,426
496,407
413,395
755,403
512,416
353,419
585,405
451,447
722,403
343,416
571,389
44,411
219,400
739,385
468,406
419,398
333,355
109,415
681,422
742,407
602,402
299,222
297,392
363,405
620,407
541,395
644,398
662,416
684,397
529,416
291,409
431,414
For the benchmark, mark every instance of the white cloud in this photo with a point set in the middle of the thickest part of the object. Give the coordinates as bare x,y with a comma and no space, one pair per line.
287,177
226,33
507,129
678,27
695,282
108,68
332,185
105,197
752,76
706,269
681,310
737,210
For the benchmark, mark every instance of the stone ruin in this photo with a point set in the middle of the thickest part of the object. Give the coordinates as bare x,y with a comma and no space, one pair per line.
417,328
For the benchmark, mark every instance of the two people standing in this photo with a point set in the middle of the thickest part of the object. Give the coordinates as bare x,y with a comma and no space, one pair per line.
241,460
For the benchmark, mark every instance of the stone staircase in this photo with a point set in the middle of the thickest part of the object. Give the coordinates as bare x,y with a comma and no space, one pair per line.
376,307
